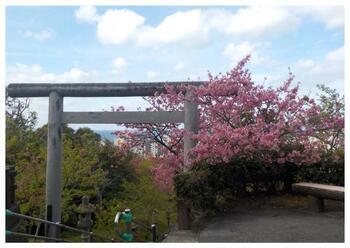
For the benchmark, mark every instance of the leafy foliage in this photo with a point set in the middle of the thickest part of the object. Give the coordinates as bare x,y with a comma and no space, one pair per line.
142,196
112,178
18,112
326,172
89,166
204,184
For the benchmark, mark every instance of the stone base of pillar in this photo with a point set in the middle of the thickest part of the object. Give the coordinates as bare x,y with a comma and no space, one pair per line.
183,215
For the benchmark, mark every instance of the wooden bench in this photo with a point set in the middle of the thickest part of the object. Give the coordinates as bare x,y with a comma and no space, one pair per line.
319,192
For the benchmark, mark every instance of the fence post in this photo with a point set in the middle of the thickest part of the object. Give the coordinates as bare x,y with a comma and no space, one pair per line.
85,222
154,232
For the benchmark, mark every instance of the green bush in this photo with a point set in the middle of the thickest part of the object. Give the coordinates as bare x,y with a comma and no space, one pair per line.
204,185
196,185
326,172
147,203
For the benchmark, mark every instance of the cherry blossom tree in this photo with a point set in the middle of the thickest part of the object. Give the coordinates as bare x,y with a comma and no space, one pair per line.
239,119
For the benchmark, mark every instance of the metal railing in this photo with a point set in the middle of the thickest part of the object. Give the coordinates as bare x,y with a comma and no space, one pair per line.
156,236
153,229
22,216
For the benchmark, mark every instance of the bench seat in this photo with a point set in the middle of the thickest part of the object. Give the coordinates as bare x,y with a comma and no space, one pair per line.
319,192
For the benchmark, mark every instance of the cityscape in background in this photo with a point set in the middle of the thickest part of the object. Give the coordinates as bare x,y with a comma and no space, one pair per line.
106,134
149,148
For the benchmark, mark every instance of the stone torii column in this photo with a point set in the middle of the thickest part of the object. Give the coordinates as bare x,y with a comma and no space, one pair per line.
54,163
191,119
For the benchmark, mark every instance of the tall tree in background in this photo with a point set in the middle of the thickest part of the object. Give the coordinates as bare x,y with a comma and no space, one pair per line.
88,163
17,110
332,112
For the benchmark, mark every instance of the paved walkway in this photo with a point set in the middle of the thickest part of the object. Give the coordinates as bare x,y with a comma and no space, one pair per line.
271,224
275,225
181,237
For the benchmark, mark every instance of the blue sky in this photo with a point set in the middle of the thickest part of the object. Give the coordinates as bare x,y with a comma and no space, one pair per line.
120,44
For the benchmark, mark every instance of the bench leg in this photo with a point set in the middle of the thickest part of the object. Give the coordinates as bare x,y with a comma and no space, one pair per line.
317,203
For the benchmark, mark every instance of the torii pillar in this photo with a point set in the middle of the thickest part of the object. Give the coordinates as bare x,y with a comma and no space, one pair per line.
54,163
191,120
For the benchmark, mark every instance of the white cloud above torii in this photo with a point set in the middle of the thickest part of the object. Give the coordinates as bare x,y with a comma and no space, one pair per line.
118,65
44,34
34,73
237,51
193,27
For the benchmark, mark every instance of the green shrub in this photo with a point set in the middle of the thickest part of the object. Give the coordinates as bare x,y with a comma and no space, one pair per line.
146,201
326,172
206,185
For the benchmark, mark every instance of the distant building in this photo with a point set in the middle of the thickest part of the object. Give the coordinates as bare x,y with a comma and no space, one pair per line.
150,148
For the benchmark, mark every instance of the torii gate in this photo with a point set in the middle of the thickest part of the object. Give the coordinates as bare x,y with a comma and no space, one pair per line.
57,117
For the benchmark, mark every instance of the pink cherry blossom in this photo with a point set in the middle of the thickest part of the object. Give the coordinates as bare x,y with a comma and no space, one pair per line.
237,119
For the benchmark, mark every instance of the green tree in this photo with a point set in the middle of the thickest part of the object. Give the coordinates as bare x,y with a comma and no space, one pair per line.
20,121
118,166
17,110
82,172
147,202
333,107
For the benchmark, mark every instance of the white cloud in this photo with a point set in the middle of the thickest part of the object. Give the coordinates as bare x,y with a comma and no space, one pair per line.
305,63
41,35
181,26
23,73
152,74
329,71
336,55
118,26
179,66
118,65
86,14
330,16
193,27
73,75
257,21
236,52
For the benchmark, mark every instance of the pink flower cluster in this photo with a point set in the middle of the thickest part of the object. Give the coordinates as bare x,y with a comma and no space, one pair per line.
238,119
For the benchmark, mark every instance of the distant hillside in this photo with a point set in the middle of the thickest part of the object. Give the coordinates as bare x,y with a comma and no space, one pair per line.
106,134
